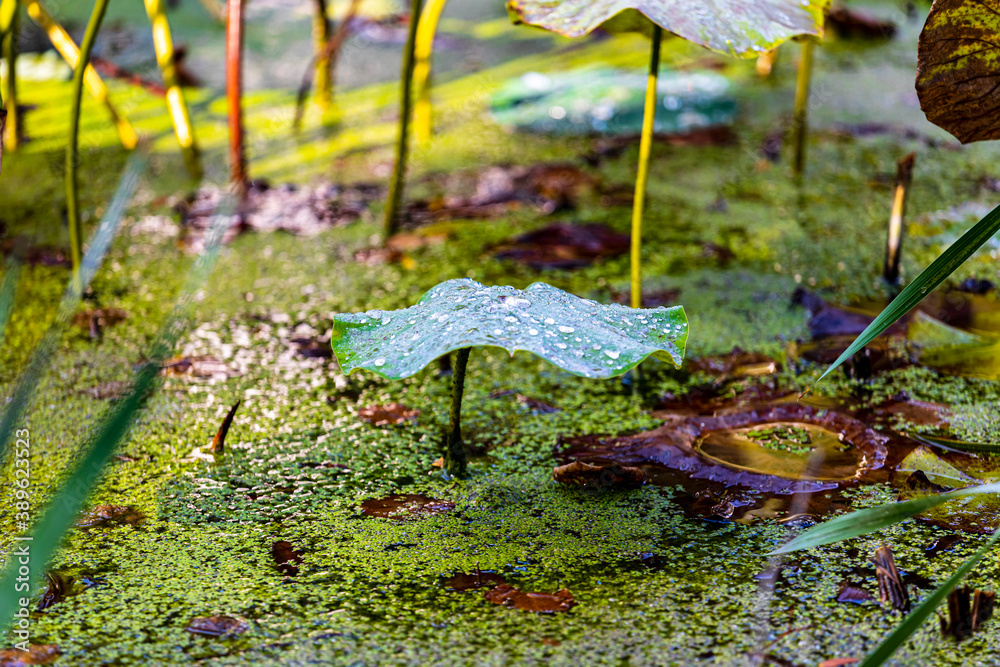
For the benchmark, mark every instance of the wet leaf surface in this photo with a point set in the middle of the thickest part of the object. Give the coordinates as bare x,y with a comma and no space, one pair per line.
599,476
539,603
464,581
37,654
286,557
405,507
730,27
217,626
110,515
957,72
389,414
564,246
578,335
967,611
891,588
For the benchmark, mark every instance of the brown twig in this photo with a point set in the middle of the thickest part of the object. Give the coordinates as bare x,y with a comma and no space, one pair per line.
113,71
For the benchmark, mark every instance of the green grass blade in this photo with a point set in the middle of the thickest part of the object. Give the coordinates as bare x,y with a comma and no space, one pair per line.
929,278
875,518
62,511
101,241
7,288
913,621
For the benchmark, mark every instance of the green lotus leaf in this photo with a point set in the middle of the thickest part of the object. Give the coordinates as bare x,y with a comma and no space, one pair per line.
580,336
734,27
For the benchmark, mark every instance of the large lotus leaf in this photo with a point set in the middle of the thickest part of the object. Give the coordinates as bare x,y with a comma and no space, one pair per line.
958,68
578,335
734,27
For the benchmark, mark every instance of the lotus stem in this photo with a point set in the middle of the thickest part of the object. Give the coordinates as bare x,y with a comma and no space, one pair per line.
321,35
331,53
67,48
164,46
645,147
454,456
10,134
395,198
234,95
800,123
423,121
72,158
894,238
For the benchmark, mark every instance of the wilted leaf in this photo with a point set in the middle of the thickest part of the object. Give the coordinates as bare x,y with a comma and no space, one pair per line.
539,603
599,476
37,654
405,506
563,245
217,626
736,28
958,68
578,335
390,414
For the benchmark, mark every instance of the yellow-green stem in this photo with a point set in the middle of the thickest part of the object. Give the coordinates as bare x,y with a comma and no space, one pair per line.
321,35
395,199
645,147
423,122
800,119
11,133
72,194
163,44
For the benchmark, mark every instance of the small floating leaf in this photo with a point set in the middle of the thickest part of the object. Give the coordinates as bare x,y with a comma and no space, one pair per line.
733,27
539,603
578,335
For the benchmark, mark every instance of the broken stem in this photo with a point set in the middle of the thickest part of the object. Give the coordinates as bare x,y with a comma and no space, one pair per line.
894,238
454,455
395,199
423,122
645,147
72,190
800,119
234,95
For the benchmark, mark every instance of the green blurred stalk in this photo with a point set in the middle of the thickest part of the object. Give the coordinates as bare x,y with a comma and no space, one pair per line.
800,120
642,178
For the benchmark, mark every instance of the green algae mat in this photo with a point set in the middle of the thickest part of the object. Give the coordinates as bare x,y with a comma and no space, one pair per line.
324,533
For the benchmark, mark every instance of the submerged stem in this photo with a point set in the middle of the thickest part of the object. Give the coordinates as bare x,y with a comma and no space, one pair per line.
392,204
454,455
800,119
645,147
72,192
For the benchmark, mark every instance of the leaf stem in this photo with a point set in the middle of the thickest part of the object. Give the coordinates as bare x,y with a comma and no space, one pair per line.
645,148
392,204
423,125
800,123
72,157
454,456
234,94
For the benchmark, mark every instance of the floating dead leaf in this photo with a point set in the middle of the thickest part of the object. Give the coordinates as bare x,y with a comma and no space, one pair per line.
855,594
199,367
564,246
599,476
36,255
539,603
389,414
922,413
37,654
464,581
286,557
891,589
965,617
219,441
110,515
217,626
377,256
405,507
853,23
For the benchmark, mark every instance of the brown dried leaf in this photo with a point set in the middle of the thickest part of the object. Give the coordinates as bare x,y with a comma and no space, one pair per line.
473,580
405,507
389,414
855,594
599,476
539,603
37,654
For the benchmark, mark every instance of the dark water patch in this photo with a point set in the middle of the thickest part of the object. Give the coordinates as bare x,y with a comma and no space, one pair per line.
854,23
390,414
943,543
217,626
535,405
564,245
286,557
650,298
539,603
313,348
405,507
